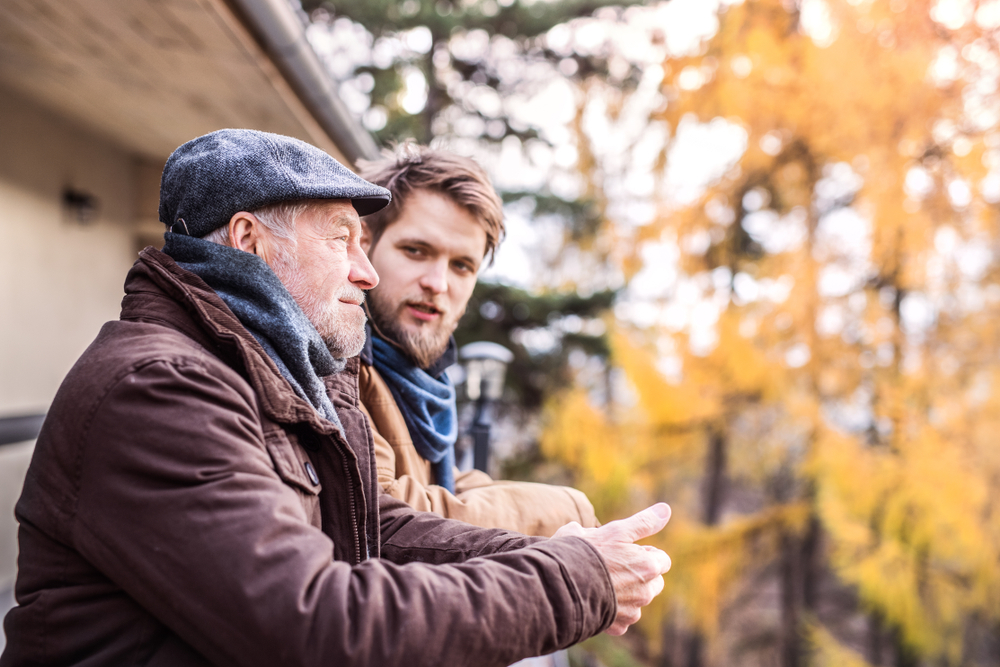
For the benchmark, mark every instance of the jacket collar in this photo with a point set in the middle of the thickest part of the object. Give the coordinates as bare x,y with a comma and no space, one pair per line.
159,290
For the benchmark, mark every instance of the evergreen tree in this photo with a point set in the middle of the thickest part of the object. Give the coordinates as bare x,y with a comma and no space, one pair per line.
468,56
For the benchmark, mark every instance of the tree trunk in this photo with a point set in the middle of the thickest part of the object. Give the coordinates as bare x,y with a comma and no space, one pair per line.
434,96
695,650
993,652
715,475
715,472
790,596
812,567
670,656
905,656
875,632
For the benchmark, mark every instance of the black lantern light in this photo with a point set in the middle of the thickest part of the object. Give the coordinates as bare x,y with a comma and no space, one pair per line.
485,365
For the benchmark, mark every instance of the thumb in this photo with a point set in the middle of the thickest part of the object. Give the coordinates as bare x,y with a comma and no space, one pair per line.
642,524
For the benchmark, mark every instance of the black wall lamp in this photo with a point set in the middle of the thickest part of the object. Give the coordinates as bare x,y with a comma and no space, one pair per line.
80,206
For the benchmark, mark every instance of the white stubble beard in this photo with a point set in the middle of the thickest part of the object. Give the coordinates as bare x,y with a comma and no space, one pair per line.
343,332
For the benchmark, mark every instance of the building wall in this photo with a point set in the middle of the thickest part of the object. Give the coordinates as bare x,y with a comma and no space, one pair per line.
60,280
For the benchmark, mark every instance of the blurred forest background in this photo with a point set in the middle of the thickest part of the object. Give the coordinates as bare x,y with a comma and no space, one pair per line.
752,270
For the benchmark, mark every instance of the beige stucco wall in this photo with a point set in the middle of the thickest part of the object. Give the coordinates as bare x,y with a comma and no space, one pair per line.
59,280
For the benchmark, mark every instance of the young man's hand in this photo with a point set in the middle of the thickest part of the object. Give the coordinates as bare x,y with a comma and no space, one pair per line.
636,571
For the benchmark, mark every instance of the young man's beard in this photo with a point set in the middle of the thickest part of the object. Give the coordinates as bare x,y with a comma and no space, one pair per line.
424,346
343,332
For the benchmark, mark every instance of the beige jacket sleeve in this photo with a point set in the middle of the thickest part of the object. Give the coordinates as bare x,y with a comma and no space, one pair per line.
525,507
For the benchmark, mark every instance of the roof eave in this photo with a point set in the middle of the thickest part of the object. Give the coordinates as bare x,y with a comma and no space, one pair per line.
281,32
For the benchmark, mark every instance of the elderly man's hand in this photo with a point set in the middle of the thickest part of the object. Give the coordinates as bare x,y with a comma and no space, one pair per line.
636,571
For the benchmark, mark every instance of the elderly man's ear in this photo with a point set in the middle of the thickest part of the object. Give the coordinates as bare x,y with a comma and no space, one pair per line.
246,233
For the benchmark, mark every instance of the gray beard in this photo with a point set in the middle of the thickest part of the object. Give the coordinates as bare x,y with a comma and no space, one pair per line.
344,336
423,347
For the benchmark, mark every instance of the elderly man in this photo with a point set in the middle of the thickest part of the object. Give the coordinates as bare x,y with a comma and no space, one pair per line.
427,246
203,491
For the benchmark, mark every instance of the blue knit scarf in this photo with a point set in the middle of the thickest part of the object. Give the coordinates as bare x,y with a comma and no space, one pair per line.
262,304
428,406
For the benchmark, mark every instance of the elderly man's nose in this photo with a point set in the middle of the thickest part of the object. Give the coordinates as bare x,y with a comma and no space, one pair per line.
362,273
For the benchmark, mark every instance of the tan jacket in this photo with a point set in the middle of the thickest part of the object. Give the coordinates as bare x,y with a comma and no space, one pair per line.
525,507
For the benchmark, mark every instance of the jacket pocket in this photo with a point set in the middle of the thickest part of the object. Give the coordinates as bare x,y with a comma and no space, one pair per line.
295,469
292,463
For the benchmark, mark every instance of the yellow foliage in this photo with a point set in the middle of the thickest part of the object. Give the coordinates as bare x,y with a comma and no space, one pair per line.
828,652
606,473
708,562
908,530
663,403
882,429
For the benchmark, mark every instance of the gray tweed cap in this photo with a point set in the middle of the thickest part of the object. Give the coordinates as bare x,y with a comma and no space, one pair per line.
209,179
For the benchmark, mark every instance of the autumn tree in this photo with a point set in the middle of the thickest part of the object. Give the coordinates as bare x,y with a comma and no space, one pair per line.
814,387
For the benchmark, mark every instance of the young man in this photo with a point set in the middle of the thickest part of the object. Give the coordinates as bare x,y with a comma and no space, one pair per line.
427,245
203,492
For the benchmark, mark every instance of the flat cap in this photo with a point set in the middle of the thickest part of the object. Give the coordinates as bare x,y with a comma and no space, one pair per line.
209,179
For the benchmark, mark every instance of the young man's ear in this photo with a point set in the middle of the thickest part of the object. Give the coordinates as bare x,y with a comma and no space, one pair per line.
246,233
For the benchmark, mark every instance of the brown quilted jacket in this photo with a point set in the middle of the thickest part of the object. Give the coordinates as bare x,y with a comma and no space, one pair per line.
525,507
184,507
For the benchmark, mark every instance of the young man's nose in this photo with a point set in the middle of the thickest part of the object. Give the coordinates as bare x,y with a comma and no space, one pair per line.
435,278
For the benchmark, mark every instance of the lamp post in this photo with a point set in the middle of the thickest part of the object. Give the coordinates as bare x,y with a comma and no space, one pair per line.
485,364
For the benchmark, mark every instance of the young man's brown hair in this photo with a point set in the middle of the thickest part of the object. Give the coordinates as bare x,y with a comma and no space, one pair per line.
411,167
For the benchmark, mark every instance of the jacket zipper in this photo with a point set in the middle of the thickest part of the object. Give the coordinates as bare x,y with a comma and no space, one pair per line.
354,513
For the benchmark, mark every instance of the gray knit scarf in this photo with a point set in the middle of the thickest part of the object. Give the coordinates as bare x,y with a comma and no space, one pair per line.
262,304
